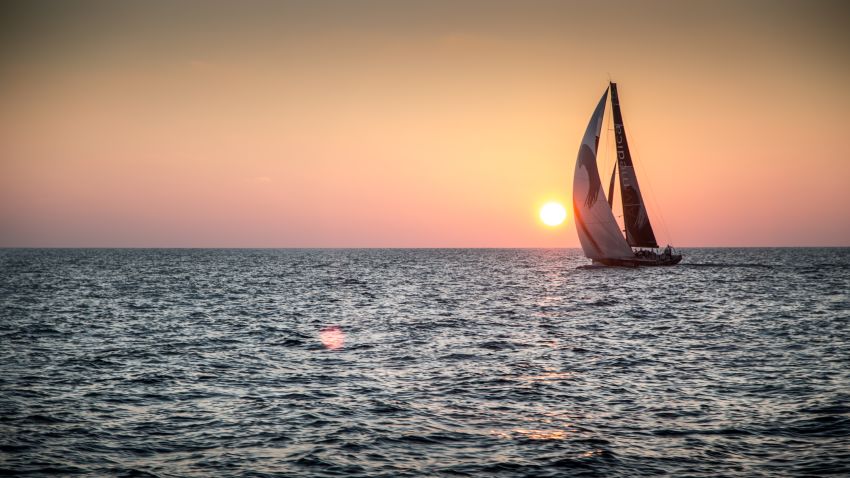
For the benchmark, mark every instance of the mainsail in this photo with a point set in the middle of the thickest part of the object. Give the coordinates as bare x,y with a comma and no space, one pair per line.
638,229
598,232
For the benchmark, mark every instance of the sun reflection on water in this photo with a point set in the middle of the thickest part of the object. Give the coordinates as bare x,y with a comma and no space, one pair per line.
553,434
332,337
548,376
542,434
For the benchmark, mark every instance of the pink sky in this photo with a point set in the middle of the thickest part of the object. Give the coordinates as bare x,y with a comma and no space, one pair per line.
401,124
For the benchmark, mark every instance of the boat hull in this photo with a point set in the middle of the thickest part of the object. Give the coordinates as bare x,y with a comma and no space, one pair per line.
642,261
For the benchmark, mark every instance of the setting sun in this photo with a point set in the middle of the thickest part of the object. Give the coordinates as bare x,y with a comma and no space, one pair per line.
553,213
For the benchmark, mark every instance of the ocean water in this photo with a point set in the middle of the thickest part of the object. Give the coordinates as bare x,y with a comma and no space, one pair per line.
423,363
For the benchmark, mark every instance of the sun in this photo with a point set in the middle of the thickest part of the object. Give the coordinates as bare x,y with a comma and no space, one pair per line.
553,213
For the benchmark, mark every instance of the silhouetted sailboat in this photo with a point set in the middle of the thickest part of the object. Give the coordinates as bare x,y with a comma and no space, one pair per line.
598,232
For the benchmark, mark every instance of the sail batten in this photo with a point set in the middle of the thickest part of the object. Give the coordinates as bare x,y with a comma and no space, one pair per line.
639,231
598,232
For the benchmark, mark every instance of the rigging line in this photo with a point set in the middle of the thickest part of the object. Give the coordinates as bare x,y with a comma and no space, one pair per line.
645,174
618,236
599,220
621,223
599,153
609,155
594,214
607,232
657,203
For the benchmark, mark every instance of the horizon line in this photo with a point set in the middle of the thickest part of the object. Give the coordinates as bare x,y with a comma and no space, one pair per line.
403,248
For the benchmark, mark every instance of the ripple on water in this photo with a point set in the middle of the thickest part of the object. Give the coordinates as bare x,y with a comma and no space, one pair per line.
422,362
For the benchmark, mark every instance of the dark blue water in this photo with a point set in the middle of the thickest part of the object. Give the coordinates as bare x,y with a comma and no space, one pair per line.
423,362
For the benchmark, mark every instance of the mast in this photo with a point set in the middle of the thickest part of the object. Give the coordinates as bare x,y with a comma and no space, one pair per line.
611,187
638,229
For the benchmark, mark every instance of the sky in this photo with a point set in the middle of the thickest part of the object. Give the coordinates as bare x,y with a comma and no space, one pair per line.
415,124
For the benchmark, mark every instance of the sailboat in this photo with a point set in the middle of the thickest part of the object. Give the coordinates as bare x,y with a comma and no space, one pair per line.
601,238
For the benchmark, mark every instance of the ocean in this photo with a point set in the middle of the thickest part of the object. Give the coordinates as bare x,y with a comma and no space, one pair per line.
443,362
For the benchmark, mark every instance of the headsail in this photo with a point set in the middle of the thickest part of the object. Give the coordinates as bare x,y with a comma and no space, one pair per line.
598,232
611,186
638,229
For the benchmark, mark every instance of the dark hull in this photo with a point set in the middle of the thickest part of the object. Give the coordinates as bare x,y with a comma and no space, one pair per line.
642,261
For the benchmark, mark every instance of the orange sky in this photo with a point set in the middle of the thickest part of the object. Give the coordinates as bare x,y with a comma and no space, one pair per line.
415,124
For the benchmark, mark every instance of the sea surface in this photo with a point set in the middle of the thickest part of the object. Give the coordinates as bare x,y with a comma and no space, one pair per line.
443,362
